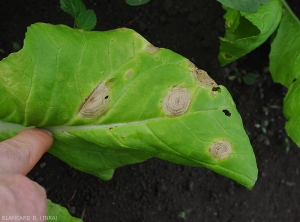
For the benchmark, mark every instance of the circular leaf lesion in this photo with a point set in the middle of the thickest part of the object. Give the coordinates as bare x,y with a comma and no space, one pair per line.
220,149
177,101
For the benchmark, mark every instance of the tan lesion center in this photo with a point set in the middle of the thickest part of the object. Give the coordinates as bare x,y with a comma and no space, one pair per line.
220,149
176,101
96,104
202,77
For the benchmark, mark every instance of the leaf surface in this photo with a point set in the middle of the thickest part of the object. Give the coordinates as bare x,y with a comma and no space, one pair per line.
285,50
111,99
291,109
245,31
244,5
285,66
74,7
86,20
136,2
55,212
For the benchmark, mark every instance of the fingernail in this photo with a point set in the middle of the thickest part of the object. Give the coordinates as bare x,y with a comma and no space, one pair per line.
47,131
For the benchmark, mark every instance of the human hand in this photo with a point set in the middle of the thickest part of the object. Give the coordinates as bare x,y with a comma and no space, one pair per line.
20,196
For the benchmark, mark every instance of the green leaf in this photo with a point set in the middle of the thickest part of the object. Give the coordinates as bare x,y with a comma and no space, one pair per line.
86,20
136,2
285,50
291,109
284,68
245,32
243,5
55,212
74,7
112,99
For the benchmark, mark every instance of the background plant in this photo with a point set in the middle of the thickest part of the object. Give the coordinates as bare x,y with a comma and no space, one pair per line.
242,36
83,18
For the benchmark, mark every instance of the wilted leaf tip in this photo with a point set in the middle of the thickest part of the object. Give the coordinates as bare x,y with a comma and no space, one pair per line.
96,104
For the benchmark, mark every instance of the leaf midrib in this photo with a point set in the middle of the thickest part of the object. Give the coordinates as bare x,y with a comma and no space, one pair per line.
104,126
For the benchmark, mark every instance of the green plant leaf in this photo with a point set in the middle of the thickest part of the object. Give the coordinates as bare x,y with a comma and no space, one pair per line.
111,99
291,109
86,20
284,68
245,32
243,5
74,7
285,50
55,212
136,2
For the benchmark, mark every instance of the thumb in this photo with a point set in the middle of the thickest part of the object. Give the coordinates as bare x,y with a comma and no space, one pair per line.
20,153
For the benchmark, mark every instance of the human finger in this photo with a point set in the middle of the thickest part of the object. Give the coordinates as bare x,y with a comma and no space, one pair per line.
21,196
20,153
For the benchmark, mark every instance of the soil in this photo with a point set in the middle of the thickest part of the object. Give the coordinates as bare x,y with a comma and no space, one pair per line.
157,190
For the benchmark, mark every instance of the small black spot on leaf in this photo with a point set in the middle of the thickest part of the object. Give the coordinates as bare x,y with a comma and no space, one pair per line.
106,97
226,112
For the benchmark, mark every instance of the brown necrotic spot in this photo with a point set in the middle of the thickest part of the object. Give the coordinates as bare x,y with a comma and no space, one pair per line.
151,49
96,104
177,101
227,56
202,77
220,149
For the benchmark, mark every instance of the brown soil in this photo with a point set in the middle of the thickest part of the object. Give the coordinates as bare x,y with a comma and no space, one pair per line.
157,190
